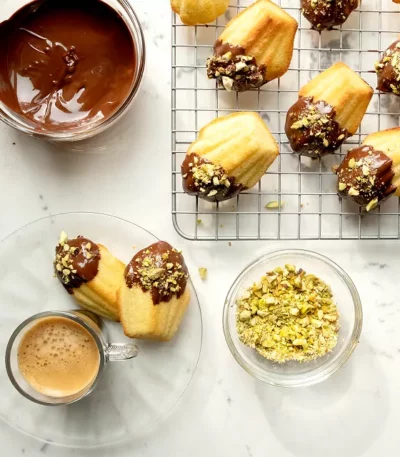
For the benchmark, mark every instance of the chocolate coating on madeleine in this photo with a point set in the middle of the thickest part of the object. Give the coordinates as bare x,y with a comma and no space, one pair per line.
207,180
388,69
159,269
365,176
76,262
326,14
311,128
234,69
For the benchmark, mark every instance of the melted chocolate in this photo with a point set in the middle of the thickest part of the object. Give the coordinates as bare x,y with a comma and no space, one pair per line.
311,128
65,63
81,259
221,49
208,181
234,69
159,269
365,175
388,69
325,14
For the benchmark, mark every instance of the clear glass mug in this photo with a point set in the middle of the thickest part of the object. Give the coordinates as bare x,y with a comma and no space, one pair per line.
108,352
125,10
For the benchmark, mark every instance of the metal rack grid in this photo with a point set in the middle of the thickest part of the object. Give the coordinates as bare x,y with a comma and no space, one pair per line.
305,189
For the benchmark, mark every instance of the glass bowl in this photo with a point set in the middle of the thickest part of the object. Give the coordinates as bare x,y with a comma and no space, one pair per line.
126,12
295,374
133,398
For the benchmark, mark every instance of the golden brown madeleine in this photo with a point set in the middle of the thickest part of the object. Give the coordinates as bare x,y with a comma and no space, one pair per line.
325,14
90,273
154,296
231,154
330,109
255,47
370,174
388,69
194,12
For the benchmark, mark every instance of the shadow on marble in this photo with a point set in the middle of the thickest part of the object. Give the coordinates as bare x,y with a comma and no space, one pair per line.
343,415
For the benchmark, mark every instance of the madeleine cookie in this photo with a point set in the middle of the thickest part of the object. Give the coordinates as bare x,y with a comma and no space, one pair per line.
154,295
90,273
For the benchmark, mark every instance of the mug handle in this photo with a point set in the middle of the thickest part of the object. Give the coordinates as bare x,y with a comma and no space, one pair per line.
117,352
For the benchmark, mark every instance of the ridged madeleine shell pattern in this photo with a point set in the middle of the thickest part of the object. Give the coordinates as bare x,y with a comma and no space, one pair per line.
266,32
241,143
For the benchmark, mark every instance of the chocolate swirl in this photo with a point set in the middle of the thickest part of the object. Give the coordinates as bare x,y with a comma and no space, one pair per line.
388,69
234,69
159,269
311,128
207,180
365,176
326,14
76,262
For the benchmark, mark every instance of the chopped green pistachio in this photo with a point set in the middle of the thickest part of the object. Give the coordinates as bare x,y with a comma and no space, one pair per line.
274,205
372,204
288,315
203,273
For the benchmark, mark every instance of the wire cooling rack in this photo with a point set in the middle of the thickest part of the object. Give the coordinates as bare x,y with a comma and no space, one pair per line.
305,189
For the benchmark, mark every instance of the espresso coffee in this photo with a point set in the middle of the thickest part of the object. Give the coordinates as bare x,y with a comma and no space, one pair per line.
58,357
65,63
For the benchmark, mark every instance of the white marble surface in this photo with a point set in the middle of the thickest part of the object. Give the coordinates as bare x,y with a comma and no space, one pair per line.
225,411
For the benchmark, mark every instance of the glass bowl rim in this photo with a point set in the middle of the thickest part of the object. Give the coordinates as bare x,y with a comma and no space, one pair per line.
320,375
96,128
196,365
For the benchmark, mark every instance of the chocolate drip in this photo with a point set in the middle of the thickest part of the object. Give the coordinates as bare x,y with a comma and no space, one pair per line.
59,66
325,14
77,262
159,269
388,69
221,49
365,176
311,128
208,181
234,69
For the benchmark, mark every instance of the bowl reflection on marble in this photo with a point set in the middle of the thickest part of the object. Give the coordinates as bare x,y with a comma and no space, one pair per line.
295,374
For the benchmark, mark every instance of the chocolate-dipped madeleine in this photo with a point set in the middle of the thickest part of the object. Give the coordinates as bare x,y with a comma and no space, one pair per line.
388,69
231,154
330,109
255,47
326,14
90,273
369,174
154,295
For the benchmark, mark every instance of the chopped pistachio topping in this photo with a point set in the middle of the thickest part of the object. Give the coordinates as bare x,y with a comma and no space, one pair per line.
208,174
288,315
365,181
64,261
235,72
391,57
163,276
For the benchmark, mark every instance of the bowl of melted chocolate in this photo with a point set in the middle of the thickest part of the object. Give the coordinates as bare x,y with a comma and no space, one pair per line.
69,68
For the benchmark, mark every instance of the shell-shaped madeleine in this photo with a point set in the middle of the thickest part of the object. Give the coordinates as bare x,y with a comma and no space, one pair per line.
266,32
232,153
343,89
194,12
388,141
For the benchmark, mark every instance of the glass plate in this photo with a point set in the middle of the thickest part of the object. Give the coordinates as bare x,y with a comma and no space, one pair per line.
134,396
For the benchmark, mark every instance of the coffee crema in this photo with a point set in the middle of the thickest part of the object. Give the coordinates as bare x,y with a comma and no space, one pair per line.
66,63
58,357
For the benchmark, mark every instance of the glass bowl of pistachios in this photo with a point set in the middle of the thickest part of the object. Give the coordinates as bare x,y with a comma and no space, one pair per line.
292,318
